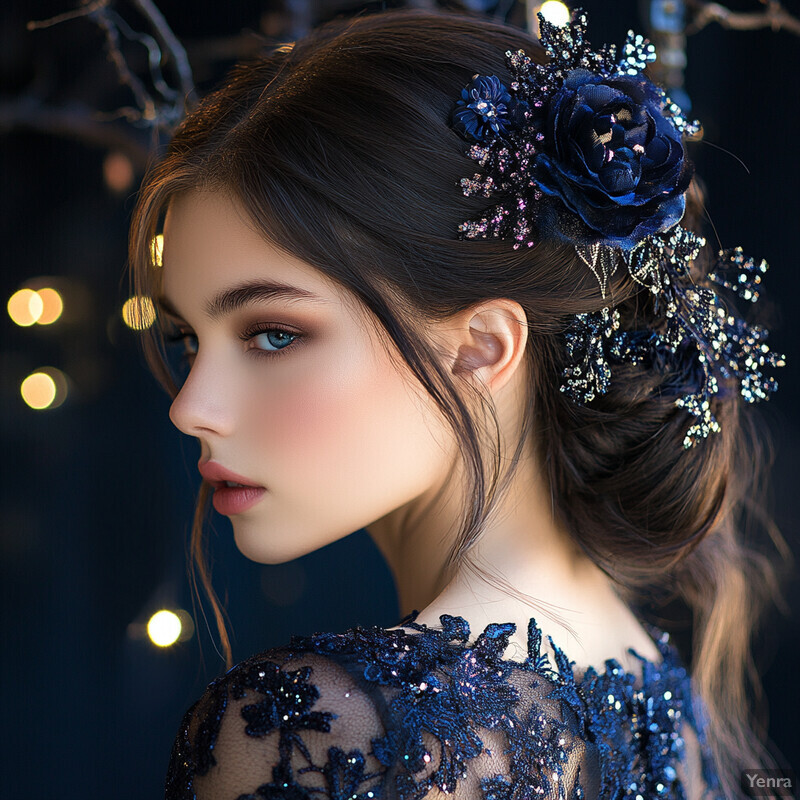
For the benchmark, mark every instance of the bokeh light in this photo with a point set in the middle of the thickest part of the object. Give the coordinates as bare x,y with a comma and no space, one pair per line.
52,305
38,390
164,628
138,312
118,172
157,250
555,13
25,307
187,625
44,388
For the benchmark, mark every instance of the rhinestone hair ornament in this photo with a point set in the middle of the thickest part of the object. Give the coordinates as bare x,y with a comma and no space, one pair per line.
587,150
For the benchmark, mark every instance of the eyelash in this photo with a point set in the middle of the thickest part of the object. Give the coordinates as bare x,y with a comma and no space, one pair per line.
255,330
246,336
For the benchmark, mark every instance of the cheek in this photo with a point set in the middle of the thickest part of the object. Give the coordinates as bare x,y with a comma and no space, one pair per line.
346,419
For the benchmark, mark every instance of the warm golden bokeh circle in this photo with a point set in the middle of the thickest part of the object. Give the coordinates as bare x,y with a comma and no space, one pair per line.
138,312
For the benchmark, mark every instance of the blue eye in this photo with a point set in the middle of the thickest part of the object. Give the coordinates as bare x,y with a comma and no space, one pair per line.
274,339
262,340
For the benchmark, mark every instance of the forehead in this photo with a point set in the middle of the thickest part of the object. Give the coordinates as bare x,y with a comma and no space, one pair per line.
211,245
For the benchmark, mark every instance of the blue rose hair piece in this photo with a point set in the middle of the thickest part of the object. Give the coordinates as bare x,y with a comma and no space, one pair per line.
587,150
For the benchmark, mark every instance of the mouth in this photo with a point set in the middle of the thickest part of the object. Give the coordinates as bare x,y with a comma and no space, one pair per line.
235,498
233,484
233,494
222,478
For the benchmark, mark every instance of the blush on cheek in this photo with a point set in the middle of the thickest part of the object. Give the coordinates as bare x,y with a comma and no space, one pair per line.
345,430
328,408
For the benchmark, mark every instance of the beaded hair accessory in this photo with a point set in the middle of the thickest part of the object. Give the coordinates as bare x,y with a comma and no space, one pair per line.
587,150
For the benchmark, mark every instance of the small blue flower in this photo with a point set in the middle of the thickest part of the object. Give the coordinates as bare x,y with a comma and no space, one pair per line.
487,110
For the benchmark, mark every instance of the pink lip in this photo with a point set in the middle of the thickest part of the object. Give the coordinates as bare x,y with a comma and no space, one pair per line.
229,500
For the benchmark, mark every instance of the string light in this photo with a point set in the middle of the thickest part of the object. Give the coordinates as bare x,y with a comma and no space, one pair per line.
45,388
25,307
38,390
157,250
118,172
138,312
164,628
555,13
29,306
52,305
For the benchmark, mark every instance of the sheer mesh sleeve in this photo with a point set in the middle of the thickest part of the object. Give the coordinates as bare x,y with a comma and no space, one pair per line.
382,714
278,727
307,726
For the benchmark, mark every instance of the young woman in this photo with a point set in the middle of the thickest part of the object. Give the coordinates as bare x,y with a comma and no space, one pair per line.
531,402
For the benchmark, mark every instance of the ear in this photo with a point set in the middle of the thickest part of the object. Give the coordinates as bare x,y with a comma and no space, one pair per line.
488,341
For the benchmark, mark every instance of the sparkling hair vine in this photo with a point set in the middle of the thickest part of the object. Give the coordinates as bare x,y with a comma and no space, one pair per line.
587,150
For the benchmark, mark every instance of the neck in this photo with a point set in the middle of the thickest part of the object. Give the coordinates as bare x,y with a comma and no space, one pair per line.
524,564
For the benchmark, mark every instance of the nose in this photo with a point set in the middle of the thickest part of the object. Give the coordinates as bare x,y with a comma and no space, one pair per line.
204,403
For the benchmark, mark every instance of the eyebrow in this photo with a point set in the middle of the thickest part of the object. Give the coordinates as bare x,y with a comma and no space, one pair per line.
240,296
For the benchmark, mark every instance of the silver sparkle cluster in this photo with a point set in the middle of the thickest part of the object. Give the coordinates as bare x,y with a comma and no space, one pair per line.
748,277
637,53
590,373
698,336
688,128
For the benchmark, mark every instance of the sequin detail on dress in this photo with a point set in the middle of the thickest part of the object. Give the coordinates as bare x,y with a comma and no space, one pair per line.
372,714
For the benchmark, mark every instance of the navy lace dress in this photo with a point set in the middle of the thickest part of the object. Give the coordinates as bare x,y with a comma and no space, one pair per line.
405,714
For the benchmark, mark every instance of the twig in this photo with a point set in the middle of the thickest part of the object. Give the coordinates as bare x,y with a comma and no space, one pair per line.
111,30
77,122
163,108
172,45
87,10
775,16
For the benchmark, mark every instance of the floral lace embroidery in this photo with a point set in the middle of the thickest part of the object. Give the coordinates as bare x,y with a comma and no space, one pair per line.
433,684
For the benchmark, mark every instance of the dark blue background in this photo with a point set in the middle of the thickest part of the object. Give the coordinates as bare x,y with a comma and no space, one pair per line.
98,494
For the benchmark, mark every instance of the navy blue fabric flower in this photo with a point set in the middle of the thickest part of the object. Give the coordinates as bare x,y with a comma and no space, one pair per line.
613,157
487,109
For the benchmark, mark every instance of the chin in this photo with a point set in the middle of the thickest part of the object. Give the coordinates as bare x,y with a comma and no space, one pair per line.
262,548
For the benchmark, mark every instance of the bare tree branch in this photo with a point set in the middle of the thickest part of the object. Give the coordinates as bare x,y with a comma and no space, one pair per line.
136,129
775,16
160,113
78,122
171,45
159,106
114,50
85,11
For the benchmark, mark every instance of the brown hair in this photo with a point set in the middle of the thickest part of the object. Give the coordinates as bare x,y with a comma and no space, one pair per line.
339,149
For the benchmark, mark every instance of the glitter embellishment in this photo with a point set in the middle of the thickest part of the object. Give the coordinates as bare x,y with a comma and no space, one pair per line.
587,150
425,709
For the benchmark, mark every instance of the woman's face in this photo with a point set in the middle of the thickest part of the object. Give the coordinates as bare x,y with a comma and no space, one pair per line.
292,389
